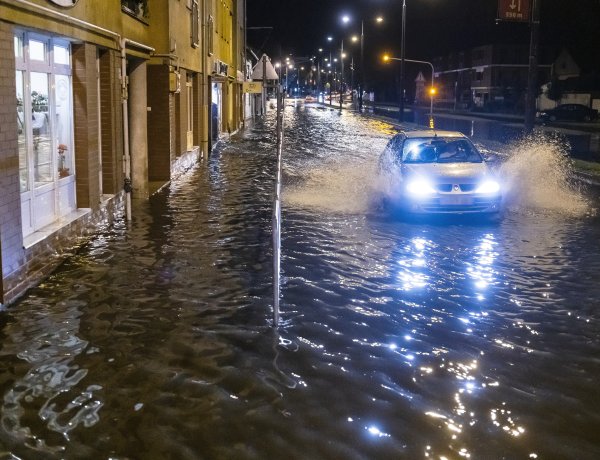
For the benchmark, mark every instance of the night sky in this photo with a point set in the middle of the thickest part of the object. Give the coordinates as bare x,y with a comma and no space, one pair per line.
434,27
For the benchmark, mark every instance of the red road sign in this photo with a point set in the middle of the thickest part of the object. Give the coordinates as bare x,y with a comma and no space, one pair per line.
514,10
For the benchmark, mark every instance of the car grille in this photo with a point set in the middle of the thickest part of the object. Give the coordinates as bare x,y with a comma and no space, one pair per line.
447,188
477,205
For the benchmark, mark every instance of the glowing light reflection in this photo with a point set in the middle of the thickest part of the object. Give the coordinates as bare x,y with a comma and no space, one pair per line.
377,432
415,259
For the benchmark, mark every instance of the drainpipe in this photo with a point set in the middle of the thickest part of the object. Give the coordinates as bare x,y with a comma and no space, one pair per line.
128,187
206,109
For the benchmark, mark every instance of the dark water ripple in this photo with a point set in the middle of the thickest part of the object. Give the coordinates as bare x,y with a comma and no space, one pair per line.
399,339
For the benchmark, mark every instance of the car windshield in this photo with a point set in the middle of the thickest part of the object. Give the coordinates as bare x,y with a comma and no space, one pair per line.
440,150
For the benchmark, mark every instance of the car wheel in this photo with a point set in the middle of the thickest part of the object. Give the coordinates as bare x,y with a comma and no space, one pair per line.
552,118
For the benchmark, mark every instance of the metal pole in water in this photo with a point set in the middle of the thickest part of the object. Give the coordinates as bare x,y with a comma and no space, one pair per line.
277,213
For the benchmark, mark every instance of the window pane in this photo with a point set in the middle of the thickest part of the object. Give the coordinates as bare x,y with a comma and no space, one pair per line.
61,55
18,46
37,50
40,125
22,126
63,125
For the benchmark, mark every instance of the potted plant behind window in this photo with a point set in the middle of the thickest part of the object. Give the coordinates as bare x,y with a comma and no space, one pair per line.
63,171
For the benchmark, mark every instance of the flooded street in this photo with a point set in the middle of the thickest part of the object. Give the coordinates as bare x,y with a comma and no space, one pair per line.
399,338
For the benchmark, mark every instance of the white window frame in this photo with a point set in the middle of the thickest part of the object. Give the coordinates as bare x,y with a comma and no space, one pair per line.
43,203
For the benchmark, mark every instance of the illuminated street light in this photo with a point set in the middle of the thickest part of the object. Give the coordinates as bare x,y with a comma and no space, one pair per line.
379,20
387,58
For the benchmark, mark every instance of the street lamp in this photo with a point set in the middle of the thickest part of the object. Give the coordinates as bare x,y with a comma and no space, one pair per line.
401,114
342,70
345,20
432,91
330,39
378,20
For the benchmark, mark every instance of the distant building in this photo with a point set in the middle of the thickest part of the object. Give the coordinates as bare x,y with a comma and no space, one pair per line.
108,96
489,77
567,86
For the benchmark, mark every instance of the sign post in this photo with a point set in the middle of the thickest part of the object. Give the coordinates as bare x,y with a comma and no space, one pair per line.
514,10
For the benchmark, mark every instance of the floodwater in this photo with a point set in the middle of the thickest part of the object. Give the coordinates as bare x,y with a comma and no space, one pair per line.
399,338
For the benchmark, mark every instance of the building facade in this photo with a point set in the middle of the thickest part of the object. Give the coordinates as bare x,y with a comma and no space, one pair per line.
111,103
492,77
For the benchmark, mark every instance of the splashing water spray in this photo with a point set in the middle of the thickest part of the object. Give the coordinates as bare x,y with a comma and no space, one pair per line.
538,175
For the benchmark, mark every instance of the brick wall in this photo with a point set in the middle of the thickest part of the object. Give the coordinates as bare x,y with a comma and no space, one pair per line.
85,107
11,239
111,121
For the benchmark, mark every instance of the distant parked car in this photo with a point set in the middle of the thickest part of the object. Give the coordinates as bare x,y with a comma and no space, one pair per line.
568,112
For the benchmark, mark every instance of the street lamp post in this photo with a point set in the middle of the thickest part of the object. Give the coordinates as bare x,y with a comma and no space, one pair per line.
402,40
378,19
352,80
329,39
362,66
342,75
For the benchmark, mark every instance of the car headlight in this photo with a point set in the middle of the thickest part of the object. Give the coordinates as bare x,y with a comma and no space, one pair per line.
488,187
420,187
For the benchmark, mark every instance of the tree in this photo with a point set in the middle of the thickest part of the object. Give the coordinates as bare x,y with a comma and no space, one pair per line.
555,89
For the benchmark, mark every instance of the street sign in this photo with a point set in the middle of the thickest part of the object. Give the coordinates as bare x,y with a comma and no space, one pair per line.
252,87
514,10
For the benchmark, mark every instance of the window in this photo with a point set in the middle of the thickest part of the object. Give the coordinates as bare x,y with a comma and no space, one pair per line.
44,128
136,8
195,18
18,47
210,31
61,55
37,50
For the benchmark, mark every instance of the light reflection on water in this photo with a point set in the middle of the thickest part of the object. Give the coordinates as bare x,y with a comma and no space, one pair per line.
399,339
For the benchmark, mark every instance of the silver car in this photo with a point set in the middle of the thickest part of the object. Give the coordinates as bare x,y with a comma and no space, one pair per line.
439,172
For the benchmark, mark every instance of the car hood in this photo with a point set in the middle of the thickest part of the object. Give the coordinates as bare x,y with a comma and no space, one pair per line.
440,172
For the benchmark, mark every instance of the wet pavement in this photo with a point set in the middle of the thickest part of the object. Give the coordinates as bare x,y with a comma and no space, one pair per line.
400,338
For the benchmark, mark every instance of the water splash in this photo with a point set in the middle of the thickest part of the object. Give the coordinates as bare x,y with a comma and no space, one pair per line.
538,176
348,187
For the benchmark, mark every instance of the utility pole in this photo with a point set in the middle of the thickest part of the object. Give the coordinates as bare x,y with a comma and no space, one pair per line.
533,68
362,66
402,54
342,76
